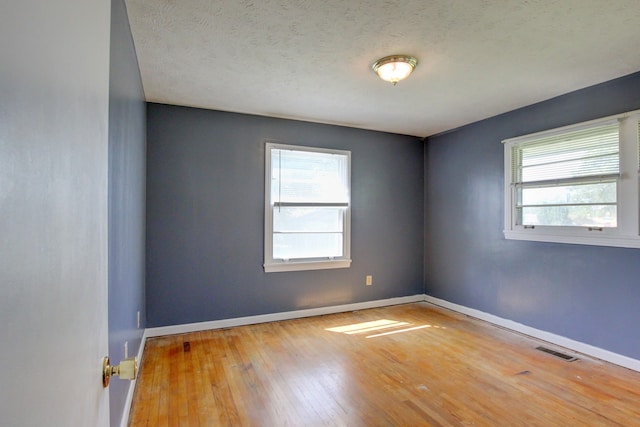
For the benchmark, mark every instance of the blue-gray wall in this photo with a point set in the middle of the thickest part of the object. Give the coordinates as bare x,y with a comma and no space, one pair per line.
127,151
586,293
205,217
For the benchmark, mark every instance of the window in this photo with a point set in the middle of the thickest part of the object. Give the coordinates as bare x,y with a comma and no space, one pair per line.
576,184
307,208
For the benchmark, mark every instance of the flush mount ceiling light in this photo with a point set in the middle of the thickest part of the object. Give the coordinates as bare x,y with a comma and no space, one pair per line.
395,67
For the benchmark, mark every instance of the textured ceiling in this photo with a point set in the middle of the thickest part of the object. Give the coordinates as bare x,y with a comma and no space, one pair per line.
310,59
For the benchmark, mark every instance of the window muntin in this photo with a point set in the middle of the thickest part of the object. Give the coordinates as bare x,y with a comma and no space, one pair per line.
575,184
307,209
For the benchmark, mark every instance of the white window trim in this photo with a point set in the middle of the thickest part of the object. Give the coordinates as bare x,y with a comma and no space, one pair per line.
274,265
627,233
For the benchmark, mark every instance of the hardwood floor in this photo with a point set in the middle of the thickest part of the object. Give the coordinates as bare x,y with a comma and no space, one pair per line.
405,365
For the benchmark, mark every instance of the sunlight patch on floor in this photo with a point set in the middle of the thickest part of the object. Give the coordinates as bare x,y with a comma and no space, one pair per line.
375,325
415,328
389,326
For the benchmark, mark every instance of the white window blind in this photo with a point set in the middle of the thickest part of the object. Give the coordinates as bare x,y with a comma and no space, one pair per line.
305,177
590,152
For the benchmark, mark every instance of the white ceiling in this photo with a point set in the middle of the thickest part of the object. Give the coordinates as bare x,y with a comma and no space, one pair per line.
311,59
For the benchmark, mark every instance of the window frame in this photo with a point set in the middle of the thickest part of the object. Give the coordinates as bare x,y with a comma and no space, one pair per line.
301,264
627,232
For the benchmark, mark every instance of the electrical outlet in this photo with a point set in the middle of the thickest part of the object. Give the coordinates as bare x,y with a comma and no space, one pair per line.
369,280
138,319
126,349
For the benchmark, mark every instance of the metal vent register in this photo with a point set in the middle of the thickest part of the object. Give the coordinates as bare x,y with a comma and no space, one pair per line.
563,356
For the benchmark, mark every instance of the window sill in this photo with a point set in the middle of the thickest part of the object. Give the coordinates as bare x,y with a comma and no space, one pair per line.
576,239
306,265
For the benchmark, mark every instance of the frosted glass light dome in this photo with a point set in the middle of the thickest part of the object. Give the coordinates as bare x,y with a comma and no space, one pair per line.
395,68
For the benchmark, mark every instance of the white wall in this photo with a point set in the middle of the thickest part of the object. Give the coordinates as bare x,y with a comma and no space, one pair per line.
54,84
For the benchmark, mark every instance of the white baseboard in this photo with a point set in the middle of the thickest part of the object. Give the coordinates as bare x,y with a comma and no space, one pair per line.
561,341
124,419
274,317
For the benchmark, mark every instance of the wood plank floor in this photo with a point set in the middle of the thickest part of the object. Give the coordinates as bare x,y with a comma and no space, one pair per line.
405,365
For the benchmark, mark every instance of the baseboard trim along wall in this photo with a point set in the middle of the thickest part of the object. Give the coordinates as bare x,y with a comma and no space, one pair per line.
549,337
274,317
576,346
124,420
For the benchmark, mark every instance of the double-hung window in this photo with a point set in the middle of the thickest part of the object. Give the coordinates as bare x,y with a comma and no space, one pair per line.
576,184
307,208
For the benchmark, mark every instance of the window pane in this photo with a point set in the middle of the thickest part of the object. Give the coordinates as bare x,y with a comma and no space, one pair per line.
303,176
323,219
602,192
580,216
305,245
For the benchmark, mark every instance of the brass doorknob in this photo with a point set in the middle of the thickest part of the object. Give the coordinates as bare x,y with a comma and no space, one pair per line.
126,370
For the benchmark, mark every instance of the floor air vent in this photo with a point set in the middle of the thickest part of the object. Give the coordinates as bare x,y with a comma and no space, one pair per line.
562,356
